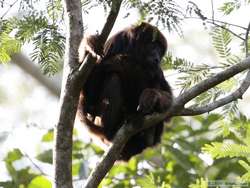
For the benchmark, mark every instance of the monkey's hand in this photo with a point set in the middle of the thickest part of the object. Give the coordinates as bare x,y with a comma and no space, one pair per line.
90,45
154,100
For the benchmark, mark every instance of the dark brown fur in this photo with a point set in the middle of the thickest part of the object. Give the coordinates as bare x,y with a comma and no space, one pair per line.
128,81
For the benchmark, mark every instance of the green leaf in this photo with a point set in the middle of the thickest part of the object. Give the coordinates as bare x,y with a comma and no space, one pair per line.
220,150
245,165
13,156
28,26
167,13
8,46
225,130
230,6
40,182
221,40
76,168
105,181
97,149
200,183
180,157
246,140
46,156
228,85
49,136
78,145
231,109
210,119
246,176
117,169
146,182
132,164
48,51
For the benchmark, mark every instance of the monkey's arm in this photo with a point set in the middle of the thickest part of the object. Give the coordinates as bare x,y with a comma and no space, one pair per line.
89,45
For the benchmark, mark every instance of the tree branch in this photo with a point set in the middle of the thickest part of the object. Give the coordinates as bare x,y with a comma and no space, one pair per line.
225,28
8,9
213,81
62,157
26,65
138,123
109,157
73,77
237,94
88,64
116,4
246,39
211,21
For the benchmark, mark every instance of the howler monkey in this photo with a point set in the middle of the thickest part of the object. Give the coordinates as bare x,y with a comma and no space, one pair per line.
127,81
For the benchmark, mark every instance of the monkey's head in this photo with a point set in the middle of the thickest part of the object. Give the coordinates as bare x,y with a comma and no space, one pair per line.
143,42
150,44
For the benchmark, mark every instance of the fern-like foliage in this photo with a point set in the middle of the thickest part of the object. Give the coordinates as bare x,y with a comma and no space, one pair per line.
221,41
200,183
27,5
231,110
48,50
166,13
6,26
48,42
8,46
192,75
55,10
209,96
221,150
248,46
230,6
175,63
241,150
152,182
189,74
28,26
38,27
246,166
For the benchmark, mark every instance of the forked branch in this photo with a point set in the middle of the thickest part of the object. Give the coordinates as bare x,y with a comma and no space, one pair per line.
177,109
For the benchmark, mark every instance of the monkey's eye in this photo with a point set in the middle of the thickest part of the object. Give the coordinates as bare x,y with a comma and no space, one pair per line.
152,56
152,46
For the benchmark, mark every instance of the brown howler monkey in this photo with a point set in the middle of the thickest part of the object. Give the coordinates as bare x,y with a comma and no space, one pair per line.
127,81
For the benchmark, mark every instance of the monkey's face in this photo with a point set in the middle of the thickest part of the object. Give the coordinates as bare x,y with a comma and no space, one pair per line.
152,55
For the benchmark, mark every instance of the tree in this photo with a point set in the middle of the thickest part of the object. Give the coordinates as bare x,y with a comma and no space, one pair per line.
206,94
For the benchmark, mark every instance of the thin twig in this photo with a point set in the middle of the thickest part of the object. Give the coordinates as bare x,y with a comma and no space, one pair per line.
246,39
213,81
237,94
36,166
213,22
225,28
212,7
6,12
219,21
86,67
